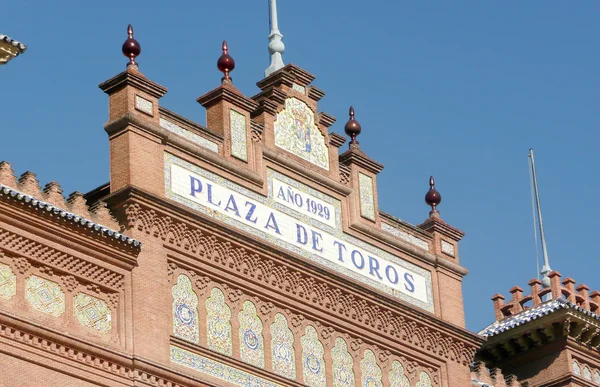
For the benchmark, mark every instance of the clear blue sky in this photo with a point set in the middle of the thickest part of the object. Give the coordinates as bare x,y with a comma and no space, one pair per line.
456,89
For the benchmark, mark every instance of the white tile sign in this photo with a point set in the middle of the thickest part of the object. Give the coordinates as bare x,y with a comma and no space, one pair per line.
213,195
304,203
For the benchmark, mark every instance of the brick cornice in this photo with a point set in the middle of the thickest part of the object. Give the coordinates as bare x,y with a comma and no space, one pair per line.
135,79
230,94
338,298
358,157
433,224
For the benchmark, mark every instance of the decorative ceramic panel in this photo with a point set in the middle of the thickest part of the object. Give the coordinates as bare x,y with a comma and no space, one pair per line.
576,368
298,88
367,200
596,377
343,371
447,248
313,364
271,222
282,348
92,312
8,282
217,370
185,310
370,371
413,240
218,323
587,373
237,127
397,376
424,380
252,348
45,296
143,105
188,135
297,133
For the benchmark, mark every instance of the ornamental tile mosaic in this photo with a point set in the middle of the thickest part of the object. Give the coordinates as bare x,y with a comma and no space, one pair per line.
448,248
424,380
405,236
237,128
397,376
596,377
217,370
143,105
313,364
185,310
343,371
367,201
587,373
282,348
298,88
576,369
45,296
370,371
297,133
92,312
252,349
173,192
218,323
188,135
8,282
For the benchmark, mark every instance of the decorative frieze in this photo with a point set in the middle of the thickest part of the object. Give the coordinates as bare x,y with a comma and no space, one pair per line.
238,133
217,370
189,135
92,312
413,240
143,105
45,296
8,282
447,248
367,199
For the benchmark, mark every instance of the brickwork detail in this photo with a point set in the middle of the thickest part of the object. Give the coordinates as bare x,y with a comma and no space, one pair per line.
343,371
185,310
370,371
313,364
252,348
332,300
45,296
218,323
52,257
92,312
282,348
8,282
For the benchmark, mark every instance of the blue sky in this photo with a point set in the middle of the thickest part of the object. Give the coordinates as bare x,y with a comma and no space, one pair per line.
457,89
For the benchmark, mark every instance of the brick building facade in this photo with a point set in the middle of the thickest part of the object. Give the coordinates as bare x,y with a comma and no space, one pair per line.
250,252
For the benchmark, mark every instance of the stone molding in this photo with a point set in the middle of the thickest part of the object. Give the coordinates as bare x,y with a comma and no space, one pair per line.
403,328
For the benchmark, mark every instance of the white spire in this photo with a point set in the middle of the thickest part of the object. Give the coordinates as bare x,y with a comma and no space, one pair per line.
276,46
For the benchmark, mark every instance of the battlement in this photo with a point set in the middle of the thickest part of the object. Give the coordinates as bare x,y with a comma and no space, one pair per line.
52,194
483,376
566,290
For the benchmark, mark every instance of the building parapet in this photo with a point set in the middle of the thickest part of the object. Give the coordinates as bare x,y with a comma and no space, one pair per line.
566,290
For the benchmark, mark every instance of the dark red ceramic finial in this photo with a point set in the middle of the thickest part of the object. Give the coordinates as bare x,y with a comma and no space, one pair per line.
131,47
352,128
226,64
433,198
